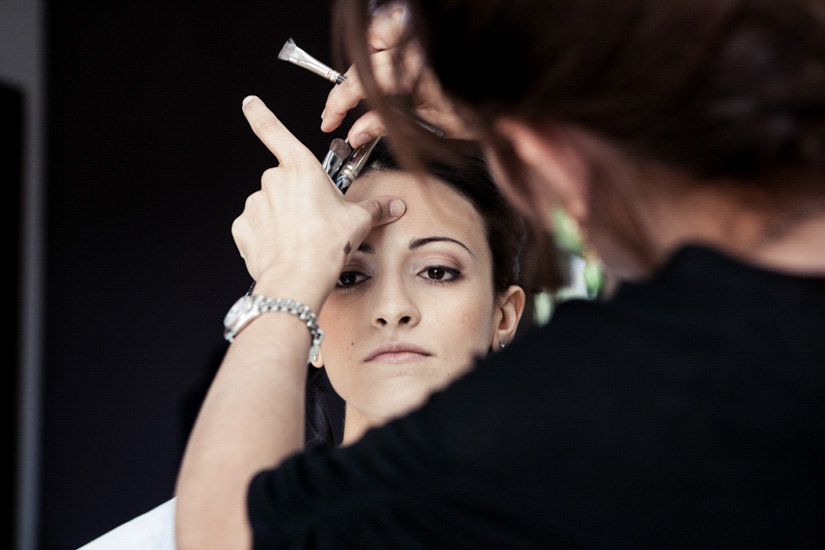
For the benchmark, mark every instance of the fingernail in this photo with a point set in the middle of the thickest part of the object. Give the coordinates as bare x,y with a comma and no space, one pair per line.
247,99
360,139
396,208
324,112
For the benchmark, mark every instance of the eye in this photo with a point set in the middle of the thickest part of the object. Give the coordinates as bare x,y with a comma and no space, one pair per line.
350,278
441,274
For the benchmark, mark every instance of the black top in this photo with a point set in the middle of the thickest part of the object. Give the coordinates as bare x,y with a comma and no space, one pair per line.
686,412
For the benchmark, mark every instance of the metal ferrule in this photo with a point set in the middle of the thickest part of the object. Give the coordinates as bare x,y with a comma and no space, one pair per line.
302,59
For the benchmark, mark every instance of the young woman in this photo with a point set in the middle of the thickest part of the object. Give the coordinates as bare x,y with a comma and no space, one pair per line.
688,141
421,298
411,309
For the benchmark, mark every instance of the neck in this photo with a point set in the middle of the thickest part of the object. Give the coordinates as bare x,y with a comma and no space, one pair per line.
784,234
356,424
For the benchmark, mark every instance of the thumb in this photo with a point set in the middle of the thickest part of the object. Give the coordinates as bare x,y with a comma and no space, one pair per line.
383,210
370,125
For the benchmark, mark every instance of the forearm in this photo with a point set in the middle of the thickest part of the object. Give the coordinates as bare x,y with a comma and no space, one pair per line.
294,235
251,419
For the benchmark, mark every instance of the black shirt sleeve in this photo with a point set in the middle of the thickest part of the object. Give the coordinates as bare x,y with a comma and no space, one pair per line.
687,412
428,480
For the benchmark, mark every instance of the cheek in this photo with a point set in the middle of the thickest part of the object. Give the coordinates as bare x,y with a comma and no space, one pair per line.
341,331
465,326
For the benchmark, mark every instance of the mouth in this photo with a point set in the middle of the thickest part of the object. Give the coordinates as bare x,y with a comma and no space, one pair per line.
397,352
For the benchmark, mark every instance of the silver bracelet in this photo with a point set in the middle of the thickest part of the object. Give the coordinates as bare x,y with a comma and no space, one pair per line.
249,307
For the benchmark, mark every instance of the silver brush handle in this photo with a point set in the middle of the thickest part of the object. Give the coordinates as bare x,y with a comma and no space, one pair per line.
301,58
354,164
320,69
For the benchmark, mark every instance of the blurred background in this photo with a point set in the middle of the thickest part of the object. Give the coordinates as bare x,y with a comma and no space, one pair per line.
129,159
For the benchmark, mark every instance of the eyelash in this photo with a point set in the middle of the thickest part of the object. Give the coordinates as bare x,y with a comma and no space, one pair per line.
453,274
344,287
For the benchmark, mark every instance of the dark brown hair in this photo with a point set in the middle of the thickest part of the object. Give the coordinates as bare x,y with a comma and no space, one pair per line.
714,88
723,91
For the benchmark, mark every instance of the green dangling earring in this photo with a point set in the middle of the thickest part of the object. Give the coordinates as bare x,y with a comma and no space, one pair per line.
593,277
571,238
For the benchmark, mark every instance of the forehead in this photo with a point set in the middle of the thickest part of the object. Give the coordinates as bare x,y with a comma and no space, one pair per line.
432,207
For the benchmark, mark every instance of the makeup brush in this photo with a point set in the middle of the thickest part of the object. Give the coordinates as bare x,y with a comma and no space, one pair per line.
295,55
352,167
338,152
292,53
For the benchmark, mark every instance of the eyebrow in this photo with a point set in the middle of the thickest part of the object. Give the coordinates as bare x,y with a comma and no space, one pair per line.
418,243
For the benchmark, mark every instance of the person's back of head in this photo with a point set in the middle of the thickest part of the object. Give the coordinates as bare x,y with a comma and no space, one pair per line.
726,97
715,88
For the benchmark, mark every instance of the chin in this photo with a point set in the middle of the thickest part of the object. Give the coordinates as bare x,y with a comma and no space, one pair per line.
403,403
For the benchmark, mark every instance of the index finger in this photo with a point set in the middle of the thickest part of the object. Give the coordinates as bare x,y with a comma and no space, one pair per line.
272,132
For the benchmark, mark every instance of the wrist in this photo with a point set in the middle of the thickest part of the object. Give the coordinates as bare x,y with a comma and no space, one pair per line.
251,307
310,290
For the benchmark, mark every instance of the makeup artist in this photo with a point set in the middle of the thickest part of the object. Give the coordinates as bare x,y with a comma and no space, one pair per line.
685,411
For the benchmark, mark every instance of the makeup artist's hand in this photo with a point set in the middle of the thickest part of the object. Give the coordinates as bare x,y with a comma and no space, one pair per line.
431,103
294,235
296,232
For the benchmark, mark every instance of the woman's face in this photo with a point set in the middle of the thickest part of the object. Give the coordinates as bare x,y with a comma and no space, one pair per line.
414,304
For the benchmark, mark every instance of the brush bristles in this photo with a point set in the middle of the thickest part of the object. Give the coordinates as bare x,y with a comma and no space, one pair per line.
286,51
340,148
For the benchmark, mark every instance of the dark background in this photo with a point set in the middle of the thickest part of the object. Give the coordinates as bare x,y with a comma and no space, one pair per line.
149,159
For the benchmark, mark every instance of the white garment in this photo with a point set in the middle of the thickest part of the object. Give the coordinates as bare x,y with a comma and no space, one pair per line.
154,530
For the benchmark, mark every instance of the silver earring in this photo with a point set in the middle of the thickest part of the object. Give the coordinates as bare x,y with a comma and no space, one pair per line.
502,345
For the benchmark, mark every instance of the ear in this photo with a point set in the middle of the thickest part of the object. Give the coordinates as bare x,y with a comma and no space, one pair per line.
555,170
510,307
318,360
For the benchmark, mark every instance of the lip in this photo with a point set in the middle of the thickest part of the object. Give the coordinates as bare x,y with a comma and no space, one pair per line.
397,352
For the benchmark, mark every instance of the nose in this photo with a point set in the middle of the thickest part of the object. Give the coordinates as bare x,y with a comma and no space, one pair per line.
394,305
